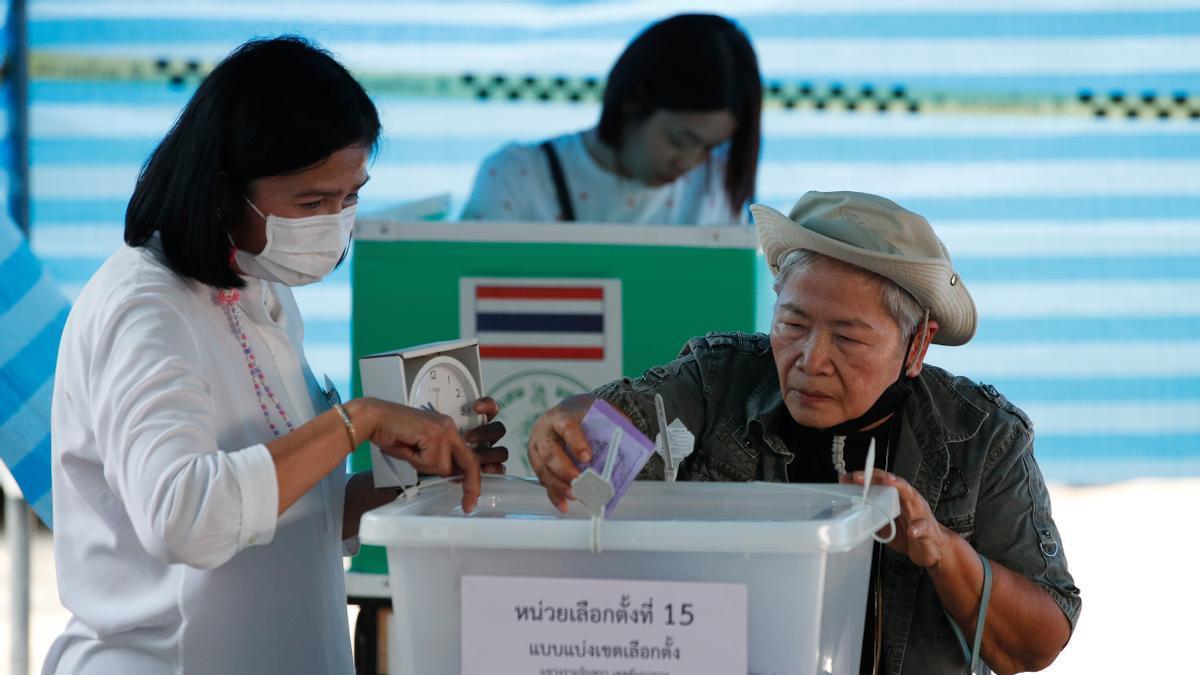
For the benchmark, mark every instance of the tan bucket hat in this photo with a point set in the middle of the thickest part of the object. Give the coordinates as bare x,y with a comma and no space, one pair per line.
879,235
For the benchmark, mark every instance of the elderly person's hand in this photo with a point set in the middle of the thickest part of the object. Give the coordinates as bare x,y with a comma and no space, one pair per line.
918,534
482,437
557,429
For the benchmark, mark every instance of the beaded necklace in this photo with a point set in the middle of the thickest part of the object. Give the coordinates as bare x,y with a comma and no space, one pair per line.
228,300
839,450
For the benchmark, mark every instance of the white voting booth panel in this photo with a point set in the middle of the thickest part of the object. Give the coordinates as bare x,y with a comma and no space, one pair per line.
776,575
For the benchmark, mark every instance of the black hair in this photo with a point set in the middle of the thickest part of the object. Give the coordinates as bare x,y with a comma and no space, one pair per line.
272,107
691,62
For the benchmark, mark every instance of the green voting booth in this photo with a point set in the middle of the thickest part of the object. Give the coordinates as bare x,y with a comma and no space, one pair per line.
558,309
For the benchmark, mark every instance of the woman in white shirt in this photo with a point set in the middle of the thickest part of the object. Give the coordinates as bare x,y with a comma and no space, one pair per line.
200,500
677,141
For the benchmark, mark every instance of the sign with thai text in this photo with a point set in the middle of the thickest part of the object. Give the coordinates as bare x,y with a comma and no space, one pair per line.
540,626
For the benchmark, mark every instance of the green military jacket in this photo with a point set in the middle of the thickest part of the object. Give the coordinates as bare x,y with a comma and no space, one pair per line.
962,445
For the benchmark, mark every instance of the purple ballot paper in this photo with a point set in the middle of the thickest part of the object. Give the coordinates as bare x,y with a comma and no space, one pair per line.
598,426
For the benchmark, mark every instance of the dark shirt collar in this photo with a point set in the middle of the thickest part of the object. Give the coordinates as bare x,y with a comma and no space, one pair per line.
953,413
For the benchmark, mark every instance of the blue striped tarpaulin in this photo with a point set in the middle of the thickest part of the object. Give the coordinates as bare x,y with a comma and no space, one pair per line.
1079,235
32,312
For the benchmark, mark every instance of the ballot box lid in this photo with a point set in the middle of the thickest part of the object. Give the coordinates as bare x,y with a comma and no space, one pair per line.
515,513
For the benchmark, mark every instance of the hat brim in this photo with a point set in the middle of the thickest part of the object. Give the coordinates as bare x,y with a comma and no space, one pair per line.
931,281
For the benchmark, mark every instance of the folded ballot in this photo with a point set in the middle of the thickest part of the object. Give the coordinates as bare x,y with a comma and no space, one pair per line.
619,451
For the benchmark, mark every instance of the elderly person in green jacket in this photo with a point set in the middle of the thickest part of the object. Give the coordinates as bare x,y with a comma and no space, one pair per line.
864,286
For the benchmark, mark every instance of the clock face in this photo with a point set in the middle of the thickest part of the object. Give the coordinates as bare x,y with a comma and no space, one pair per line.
445,385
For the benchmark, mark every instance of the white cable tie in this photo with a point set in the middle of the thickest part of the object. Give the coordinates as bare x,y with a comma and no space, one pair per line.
610,463
668,458
891,523
868,469
410,493
868,473
596,532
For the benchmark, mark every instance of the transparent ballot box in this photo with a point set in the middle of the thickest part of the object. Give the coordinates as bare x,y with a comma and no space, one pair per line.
683,578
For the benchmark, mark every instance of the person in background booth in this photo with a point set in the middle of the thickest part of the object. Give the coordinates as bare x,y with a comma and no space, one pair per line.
200,498
677,142
864,286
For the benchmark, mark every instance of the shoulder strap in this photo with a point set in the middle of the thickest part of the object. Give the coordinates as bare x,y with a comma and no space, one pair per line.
973,654
560,182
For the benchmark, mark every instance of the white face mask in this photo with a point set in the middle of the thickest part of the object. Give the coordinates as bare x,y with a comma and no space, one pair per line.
299,251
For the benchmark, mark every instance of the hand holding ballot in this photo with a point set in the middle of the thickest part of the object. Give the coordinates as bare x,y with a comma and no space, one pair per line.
575,437
559,427
619,451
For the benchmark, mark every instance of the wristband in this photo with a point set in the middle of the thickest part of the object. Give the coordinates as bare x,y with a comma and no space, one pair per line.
349,425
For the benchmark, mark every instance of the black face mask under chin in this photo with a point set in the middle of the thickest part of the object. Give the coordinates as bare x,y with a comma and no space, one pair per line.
887,403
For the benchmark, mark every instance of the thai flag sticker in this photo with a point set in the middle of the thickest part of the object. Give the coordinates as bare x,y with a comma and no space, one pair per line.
540,322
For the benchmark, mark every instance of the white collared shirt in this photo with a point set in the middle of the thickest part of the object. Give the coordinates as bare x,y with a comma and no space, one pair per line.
170,555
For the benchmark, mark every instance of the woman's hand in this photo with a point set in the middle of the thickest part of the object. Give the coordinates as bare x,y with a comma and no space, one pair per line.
491,459
427,440
361,495
558,428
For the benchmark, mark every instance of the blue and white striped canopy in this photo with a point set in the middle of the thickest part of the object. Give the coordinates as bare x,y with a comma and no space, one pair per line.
1078,235
32,311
